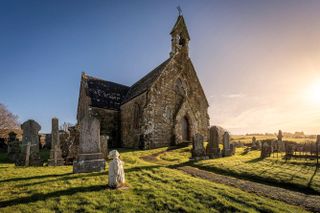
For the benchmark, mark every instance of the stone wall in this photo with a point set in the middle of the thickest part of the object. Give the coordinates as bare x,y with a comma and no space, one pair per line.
132,122
176,94
109,125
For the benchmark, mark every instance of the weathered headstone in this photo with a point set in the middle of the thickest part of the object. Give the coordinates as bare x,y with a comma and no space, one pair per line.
233,149
104,145
213,150
198,151
13,147
266,149
30,144
280,143
116,171
27,157
258,145
55,152
226,144
254,143
90,158
72,144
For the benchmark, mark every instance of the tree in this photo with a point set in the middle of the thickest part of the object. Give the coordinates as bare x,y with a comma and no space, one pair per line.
8,121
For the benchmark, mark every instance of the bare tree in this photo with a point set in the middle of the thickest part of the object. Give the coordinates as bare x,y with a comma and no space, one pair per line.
65,126
7,119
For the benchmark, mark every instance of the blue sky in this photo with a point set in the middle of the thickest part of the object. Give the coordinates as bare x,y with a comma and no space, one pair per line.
254,58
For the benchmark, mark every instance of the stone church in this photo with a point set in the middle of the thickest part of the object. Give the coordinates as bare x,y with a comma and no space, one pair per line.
166,107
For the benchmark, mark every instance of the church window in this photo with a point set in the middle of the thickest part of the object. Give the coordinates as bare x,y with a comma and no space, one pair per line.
182,41
180,88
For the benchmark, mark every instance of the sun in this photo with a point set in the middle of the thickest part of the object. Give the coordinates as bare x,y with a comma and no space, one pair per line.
313,92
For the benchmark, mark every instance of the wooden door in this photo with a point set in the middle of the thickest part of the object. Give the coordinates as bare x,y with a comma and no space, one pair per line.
185,129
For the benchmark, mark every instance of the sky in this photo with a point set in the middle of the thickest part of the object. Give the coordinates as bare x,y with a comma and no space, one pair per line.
258,61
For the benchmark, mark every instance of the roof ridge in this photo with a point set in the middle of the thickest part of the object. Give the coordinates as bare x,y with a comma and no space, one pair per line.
100,79
145,82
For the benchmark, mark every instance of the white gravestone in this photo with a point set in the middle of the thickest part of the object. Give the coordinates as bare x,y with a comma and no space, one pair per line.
116,171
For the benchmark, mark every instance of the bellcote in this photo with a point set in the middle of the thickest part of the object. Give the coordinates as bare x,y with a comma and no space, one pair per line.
179,37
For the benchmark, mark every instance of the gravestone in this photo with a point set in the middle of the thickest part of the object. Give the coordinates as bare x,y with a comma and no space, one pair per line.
258,145
64,144
254,143
233,149
90,157
226,144
212,149
55,152
72,144
13,147
280,143
266,149
104,145
30,145
116,176
198,151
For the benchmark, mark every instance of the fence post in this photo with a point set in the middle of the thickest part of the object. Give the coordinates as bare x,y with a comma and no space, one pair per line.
317,149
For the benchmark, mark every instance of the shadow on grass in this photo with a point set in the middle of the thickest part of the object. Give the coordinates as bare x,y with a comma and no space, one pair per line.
311,179
252,177
65,178
44,196
255,160
35,177
71,176
140,168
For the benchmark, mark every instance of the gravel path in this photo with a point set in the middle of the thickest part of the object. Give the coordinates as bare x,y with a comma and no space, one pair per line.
309,202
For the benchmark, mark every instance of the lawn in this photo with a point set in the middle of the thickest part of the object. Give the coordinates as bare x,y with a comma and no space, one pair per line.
245,139
152,188
293,174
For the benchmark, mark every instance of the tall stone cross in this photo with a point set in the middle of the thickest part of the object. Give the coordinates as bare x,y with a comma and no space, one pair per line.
55,152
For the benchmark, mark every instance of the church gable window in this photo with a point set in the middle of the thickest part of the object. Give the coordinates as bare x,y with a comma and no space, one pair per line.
180,88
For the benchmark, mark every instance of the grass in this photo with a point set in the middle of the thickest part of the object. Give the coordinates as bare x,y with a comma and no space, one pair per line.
294,174
152,188
248,139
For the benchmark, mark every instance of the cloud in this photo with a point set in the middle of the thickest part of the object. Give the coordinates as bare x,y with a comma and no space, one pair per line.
234,95
270,119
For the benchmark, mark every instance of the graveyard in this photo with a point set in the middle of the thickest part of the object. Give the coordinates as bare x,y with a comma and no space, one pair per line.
207,106
152,186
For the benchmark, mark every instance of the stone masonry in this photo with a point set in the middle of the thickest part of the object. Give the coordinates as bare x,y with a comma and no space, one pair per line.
213,150
30,145
226,145
13,147
198,151
55,152
90,157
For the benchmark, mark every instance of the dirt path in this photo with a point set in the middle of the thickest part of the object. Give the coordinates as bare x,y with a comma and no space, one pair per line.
309,202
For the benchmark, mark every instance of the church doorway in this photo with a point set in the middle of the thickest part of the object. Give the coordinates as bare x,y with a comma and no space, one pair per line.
185,129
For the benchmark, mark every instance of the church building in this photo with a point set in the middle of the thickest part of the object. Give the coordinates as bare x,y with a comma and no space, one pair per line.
166,107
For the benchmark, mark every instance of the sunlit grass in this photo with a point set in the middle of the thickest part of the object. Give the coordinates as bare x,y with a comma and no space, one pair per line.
248,139
152,188
294,173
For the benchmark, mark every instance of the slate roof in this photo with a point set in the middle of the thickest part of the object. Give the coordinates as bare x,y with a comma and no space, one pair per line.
106,94
110,95
145,83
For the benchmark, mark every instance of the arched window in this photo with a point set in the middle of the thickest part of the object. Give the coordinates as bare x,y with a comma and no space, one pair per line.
182,41
180,87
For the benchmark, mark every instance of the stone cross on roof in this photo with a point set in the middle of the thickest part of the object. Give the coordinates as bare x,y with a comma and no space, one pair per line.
179,10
